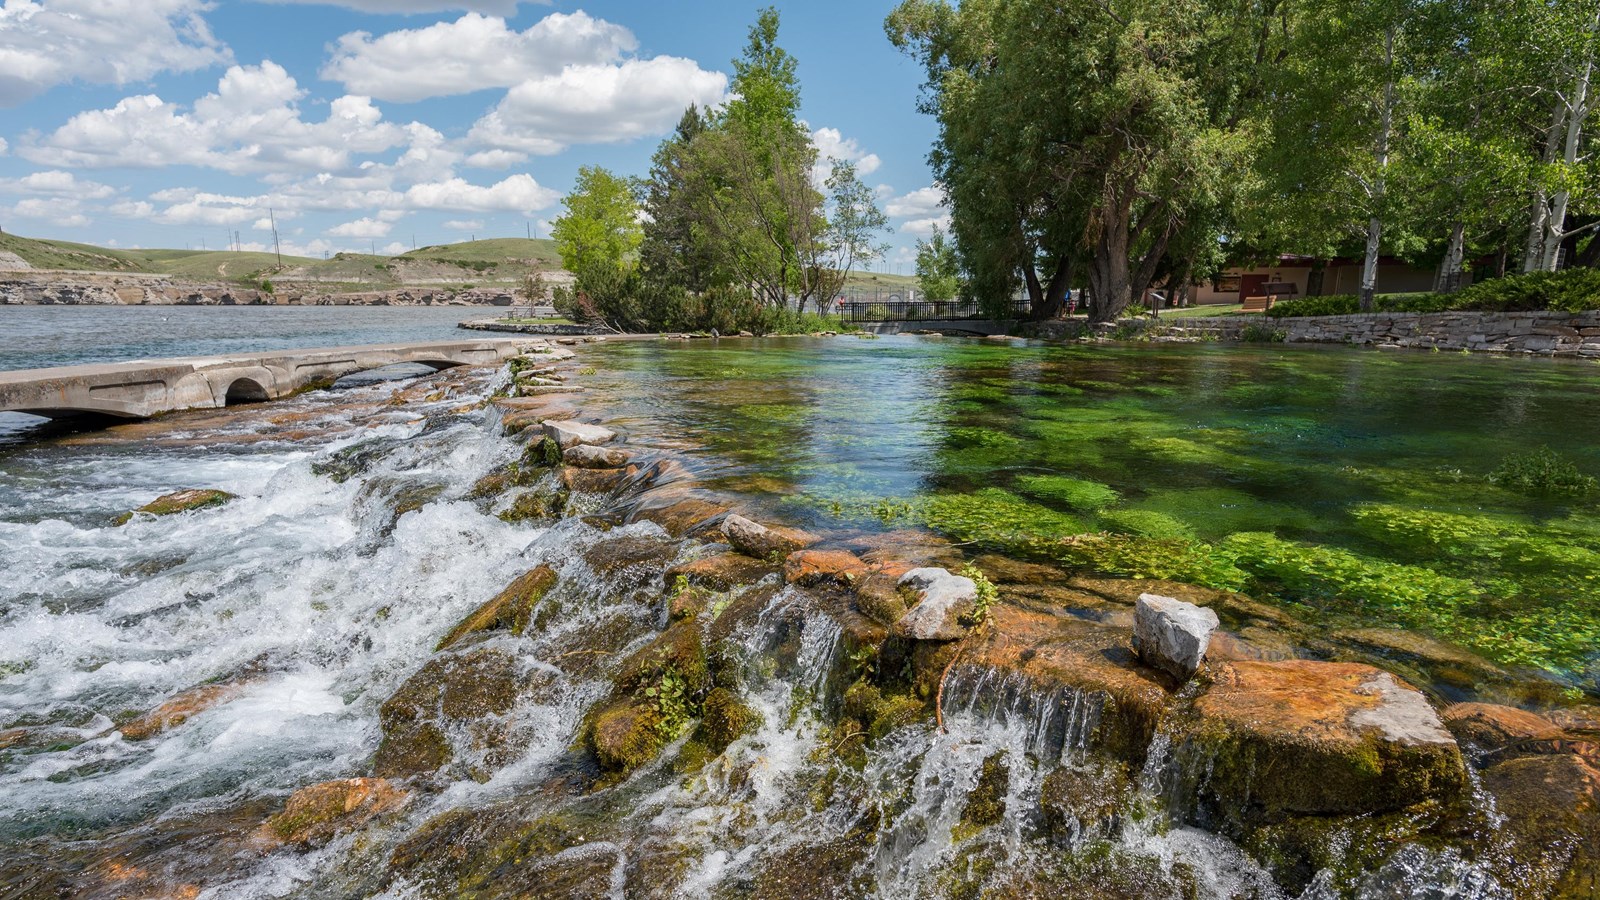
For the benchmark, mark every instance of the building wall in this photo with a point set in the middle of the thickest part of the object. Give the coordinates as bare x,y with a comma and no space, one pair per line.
1339,278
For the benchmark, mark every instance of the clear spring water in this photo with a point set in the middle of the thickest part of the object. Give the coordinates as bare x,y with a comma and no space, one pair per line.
344,600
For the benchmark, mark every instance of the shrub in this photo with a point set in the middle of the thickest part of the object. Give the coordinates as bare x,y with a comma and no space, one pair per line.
1570,290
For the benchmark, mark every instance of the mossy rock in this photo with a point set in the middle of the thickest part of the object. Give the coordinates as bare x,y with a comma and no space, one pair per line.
1085,802
544,453
535,505
725,718
821,871
180,502
986,802
1551,809
626,735
510,610
313,815
453,688
355,459
1275,740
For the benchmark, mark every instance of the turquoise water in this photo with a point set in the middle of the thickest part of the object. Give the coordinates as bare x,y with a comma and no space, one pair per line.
1353,485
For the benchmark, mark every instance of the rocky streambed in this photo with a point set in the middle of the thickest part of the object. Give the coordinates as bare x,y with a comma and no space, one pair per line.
475,637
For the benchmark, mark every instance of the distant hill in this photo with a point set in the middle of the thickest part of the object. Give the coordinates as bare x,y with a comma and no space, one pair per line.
496,261
500,261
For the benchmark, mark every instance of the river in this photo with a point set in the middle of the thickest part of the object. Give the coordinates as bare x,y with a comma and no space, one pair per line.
363,531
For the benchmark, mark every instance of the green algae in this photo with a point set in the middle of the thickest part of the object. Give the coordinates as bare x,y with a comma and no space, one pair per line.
1076,493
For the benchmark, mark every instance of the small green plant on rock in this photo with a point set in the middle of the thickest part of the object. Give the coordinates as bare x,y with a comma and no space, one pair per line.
988,595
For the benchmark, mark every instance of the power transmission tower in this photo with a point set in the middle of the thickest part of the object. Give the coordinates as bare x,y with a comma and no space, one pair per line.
277,248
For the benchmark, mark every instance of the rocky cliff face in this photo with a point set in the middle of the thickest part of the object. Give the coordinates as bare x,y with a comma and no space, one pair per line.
73,289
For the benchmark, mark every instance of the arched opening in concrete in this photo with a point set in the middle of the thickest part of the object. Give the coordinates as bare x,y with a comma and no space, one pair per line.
246,390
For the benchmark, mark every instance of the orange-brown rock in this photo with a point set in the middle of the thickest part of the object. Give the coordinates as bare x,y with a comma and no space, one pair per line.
1495,728
188,703
510,610
764,541
314,815
596,481
1278,739
813,567
680,516
1055,652
721,572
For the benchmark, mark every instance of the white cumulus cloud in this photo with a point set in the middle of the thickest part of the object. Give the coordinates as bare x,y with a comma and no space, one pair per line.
408,7
362,228
464,225
925,227
833,145
470,54
519,194
57,184
922,203
44,43
598,104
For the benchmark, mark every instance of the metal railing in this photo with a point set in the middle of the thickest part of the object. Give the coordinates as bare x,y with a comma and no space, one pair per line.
923,311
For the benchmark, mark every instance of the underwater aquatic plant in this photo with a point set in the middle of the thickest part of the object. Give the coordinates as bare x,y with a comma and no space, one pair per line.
1543,472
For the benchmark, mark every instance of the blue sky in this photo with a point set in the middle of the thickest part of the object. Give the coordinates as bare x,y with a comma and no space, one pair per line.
362,123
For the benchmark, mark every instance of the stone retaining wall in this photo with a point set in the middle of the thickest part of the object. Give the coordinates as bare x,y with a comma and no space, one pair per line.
1543,333
527,327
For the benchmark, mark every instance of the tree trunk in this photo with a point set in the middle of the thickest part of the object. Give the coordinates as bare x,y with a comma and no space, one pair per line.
1055,296
1380,184
1539,212
1450,267
1556,230
1111,274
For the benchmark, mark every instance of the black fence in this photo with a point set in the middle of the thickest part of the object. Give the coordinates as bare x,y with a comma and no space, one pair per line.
923,311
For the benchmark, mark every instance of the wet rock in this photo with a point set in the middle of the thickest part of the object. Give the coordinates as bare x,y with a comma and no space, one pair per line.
535,504
762,541
1172,635
355,459
588,456
1495,729
571,433
815,567
1551,809
680,517
658,690
187,704
596,481
449,690
1072,660
510,610
1004,570
314,815
726,718
944,602
180,502
630,560
626,735
1084,802
721,572
880,599
1278,739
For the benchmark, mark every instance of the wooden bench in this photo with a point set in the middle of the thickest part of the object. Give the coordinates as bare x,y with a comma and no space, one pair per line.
1259,304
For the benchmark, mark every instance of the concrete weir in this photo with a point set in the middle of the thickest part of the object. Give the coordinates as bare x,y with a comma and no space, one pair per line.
143,388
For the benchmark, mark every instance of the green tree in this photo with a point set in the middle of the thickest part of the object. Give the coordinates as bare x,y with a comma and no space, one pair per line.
1093,134
598,233
674,248
938,267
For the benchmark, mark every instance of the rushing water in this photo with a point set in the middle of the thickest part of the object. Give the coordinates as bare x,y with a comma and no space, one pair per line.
315,599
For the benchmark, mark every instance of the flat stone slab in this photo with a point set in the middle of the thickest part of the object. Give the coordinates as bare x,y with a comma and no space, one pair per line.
588,456
1315,738
763,541
568,434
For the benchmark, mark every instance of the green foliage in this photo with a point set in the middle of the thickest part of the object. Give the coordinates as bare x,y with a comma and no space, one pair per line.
988,595
1262,334
1140,557
598,232
1146,523
1077,493
671,698
938,267
1543,472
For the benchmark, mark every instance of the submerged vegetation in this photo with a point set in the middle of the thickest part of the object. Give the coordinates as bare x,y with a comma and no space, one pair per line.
1258,471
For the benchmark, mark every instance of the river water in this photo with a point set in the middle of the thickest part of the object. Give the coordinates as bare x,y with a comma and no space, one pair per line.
359,539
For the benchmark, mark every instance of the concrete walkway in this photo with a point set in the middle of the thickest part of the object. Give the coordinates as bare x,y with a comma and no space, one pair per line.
143,388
